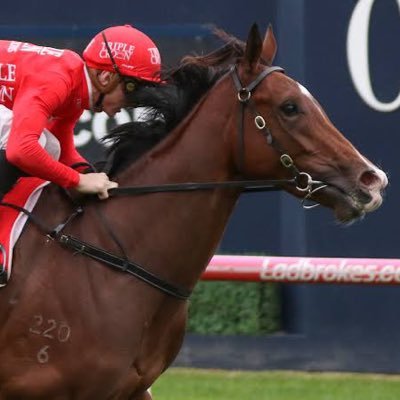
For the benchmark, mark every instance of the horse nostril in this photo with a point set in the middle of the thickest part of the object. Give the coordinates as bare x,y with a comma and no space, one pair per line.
370,178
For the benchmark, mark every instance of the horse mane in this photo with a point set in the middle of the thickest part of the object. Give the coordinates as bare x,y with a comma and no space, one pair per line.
167,103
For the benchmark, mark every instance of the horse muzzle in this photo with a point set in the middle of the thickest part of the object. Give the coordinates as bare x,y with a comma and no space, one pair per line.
352,202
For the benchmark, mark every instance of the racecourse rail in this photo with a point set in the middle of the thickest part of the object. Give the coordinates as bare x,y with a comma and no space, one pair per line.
304,270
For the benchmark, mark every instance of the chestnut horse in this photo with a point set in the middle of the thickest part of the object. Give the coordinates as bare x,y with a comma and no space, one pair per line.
74,328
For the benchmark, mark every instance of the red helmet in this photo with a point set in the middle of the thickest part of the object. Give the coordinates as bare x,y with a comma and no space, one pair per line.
134,53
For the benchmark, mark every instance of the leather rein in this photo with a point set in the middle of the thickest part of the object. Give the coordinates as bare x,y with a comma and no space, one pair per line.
301,180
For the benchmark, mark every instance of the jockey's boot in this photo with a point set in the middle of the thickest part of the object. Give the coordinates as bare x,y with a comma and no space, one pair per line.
9,174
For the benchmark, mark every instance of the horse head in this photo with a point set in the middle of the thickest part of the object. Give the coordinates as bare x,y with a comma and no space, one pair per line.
284,124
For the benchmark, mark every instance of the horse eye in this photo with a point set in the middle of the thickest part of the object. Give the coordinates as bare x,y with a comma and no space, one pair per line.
290,109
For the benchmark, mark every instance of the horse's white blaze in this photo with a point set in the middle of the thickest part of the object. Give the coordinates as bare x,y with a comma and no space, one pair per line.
306,93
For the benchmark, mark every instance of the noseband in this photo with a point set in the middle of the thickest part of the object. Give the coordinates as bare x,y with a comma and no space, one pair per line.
302,180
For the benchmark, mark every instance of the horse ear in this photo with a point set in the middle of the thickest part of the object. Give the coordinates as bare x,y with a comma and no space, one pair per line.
269,46
253,46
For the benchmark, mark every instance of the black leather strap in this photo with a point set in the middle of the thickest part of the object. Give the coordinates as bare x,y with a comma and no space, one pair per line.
247,186
98,254
122,265
33,218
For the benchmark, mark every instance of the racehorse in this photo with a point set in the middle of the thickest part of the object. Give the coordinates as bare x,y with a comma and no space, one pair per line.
74,328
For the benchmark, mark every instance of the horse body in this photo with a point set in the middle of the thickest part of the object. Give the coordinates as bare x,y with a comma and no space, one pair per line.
74,329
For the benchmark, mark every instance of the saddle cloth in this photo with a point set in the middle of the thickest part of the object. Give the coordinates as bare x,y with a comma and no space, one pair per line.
25,193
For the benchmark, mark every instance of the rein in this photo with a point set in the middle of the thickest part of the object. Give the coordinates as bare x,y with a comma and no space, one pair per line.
247,186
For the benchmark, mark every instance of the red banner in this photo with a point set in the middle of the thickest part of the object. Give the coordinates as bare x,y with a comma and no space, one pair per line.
303,270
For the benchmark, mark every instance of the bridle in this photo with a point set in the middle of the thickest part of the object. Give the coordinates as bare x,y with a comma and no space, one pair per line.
301,180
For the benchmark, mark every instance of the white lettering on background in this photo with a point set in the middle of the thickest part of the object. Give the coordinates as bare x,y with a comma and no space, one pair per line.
7,75
358,56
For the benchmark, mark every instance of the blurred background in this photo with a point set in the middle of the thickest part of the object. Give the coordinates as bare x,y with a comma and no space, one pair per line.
320,43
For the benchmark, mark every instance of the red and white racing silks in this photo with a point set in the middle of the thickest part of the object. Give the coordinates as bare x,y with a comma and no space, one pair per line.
46,89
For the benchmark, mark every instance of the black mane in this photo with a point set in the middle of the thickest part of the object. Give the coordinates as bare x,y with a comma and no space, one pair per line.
169,102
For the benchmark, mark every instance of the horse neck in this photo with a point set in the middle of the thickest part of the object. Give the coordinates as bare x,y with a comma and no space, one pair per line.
185,228
198,149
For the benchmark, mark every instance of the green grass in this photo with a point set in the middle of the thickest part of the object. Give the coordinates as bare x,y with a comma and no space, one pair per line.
196,384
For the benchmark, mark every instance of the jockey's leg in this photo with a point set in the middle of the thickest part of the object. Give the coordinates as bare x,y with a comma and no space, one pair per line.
9,174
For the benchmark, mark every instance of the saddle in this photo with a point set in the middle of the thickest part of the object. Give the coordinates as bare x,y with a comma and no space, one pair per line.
25,193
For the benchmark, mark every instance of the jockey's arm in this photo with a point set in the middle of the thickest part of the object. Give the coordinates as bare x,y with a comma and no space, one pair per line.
63,129
31,112
88,183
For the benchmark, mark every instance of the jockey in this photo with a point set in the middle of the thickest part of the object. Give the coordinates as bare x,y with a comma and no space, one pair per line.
43,92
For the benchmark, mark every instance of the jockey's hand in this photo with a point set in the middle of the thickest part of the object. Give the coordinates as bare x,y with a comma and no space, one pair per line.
95,183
